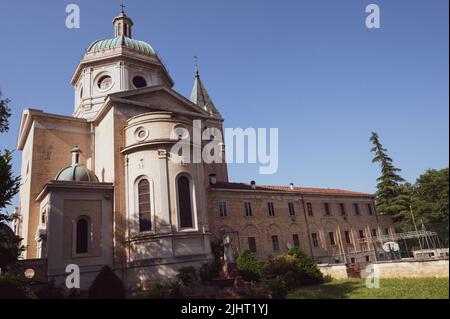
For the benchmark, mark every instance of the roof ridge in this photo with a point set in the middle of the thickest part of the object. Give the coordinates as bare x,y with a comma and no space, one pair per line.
295,189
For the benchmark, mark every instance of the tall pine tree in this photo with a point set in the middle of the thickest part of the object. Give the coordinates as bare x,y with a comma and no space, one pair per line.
393,195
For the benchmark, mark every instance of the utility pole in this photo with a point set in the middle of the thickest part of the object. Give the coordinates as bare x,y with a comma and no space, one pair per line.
415,226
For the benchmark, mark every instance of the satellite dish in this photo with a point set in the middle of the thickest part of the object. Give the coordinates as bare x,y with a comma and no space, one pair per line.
391,246
289,246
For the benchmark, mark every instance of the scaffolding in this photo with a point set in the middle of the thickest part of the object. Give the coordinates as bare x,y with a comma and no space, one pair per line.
426,238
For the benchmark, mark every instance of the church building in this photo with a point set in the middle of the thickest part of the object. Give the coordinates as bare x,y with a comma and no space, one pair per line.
101,187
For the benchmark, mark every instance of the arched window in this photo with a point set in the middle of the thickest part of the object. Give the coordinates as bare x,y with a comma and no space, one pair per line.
145,219
184,202
82,239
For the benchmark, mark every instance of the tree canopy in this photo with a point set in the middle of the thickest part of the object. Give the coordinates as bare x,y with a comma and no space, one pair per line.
427,198
9,186
392,196
5,113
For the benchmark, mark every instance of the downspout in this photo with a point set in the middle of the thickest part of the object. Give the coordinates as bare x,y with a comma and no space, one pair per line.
307,227
341,244
127,219
93,147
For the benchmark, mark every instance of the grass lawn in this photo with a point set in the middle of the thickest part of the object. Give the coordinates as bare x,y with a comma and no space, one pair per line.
410,288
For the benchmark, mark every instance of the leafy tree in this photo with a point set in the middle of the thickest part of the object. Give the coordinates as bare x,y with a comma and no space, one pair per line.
5,113
430,201
10,248
9,186
392,194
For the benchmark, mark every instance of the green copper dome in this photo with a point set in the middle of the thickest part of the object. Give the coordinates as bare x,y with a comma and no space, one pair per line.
117,42
76,173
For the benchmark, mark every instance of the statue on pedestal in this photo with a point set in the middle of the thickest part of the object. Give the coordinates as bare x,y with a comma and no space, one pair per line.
229,269
228,250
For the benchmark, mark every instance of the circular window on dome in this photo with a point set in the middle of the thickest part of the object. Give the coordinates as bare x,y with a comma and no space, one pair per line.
104,82
141,133
139,82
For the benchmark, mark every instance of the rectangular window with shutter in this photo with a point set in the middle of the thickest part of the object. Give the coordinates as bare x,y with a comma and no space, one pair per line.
248,209
291,209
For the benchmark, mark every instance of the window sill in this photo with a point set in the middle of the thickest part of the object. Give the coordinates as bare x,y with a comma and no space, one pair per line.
83,255
187,229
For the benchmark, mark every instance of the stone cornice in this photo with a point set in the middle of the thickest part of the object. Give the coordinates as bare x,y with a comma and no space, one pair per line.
73,186
28,117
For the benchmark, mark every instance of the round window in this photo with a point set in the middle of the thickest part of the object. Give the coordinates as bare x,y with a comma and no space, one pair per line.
179,132
139,82
104,82
141,133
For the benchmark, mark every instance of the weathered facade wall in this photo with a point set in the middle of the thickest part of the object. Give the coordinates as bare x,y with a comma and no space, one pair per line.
46,153
412,269
337,271
262,226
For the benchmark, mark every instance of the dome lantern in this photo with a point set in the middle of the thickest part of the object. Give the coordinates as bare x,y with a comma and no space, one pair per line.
122,24
76,172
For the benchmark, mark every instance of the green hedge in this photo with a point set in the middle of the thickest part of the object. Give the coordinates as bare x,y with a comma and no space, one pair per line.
249,267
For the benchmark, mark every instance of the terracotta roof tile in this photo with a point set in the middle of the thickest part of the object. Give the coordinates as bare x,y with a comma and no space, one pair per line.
305,190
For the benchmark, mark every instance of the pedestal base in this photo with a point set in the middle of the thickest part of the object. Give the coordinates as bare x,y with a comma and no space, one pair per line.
229,270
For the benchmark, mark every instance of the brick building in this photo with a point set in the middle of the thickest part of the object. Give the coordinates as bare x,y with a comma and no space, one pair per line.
325,223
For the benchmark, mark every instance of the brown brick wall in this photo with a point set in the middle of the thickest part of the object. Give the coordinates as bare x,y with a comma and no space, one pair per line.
262,227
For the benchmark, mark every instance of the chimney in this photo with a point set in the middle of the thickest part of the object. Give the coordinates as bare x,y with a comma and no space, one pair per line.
253,184
212,179
75,155
291,186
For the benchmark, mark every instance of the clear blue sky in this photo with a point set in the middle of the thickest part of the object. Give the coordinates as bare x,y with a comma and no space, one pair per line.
310,68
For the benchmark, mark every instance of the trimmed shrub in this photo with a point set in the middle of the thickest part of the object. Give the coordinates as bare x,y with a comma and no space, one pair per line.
255,290
188,276
49,291
172,290
295,270
277,288
249,266
13,288
209,271
107,285
313,275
